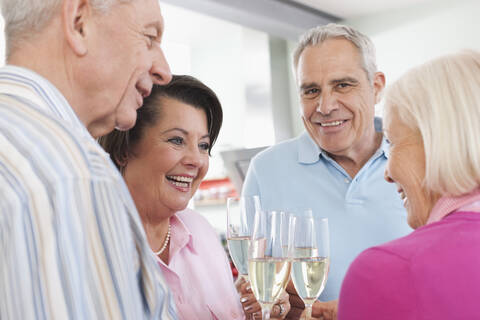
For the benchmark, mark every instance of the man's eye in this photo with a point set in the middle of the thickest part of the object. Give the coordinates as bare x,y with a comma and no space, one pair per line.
343,85
176,140
150,39
310,92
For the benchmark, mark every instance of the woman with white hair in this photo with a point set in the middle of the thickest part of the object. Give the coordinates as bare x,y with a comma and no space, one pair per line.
432,119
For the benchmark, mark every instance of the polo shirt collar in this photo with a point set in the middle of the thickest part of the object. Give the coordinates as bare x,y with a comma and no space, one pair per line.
308,150
384,148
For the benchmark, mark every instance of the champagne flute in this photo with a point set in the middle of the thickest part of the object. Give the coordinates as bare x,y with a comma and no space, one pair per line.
240,216
268,265
309,250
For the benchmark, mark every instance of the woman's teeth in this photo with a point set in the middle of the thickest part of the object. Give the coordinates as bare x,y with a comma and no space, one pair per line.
180,181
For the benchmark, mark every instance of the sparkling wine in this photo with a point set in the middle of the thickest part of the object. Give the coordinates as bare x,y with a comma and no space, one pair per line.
268,278
309,276
238,248
301,252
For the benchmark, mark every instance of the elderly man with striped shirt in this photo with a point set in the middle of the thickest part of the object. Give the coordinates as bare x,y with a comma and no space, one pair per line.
71,242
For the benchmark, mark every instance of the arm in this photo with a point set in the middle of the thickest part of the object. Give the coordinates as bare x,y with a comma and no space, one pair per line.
65,254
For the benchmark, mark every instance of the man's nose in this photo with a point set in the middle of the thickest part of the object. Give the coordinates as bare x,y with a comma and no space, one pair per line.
326,103
160,71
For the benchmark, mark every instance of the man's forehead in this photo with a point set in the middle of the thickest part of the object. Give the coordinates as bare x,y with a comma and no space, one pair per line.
330,69
148,13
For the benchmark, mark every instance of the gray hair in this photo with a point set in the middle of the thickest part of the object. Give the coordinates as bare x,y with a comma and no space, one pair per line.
441,99
24,18
318,35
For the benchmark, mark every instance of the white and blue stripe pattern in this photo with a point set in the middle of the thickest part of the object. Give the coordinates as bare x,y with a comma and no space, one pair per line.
71,242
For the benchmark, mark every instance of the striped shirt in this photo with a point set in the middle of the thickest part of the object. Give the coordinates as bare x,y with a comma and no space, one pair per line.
72,245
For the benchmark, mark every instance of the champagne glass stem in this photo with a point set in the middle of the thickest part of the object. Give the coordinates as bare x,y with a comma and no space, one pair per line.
308,311
265,313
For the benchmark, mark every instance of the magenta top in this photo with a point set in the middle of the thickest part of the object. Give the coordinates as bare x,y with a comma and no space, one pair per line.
433,273
198,272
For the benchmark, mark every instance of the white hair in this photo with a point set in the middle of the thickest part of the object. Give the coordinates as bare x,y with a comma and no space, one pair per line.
318,35
24,18
441,99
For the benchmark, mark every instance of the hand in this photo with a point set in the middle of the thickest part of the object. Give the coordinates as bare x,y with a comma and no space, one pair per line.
252,307
249,302
296,303
324,310
320,310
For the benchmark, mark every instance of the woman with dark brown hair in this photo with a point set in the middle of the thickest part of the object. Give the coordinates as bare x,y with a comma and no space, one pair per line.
163,159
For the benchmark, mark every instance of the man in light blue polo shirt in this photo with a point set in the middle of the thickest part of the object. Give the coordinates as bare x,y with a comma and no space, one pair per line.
337,166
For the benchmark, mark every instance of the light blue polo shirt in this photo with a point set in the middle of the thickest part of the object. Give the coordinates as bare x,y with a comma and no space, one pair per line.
364,211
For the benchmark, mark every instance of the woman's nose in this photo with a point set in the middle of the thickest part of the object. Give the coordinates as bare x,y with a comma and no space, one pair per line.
386,176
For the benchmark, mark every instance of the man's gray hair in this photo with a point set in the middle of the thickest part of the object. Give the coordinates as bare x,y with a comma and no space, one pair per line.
24,18
318,35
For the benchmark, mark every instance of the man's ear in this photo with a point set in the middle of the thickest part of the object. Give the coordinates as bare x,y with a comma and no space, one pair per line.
378,85
75,15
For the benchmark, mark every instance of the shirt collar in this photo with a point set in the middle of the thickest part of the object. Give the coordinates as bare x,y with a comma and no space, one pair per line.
181,236
446,205
384,148
310,152
26,84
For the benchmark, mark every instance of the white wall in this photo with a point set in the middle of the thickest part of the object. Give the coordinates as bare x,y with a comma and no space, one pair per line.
2,42
405,38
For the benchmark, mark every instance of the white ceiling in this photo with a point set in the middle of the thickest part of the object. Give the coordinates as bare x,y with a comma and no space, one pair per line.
346,9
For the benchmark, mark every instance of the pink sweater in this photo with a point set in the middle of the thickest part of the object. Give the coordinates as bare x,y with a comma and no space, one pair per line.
433,273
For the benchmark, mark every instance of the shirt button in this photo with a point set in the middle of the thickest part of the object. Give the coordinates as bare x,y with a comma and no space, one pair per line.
234,314
347,180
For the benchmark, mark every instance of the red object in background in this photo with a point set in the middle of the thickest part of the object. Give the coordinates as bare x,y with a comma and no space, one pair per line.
234,271
219,183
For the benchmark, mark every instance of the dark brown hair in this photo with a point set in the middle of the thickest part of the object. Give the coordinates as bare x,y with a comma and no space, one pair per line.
187,89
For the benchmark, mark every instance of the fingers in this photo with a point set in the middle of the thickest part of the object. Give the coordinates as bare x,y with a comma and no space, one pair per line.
294,313
250,304
239,282
243,287
291,288
284,297
280,310
326,309
296,302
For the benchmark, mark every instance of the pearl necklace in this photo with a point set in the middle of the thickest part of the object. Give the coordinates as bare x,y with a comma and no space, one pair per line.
167,239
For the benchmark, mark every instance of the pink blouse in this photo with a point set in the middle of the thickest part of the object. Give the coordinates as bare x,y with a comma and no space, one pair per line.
198,272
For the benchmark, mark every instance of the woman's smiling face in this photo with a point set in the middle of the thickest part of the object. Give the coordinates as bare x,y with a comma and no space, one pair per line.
406,168
171,159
